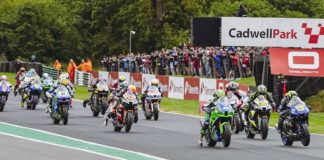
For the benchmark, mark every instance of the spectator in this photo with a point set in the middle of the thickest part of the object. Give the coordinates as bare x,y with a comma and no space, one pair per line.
235,59
246,64
89,65
71,70
18,65
83,66
242,12
57,65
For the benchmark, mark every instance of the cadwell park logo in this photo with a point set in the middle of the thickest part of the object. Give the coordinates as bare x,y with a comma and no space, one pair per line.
206,90
191,90
174,88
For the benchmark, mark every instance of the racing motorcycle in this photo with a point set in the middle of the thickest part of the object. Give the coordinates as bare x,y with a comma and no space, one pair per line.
152,103
4,93
24,80
33,94
295,124
219,129
100,99
47,85
239,117
126,112
60,105
258,118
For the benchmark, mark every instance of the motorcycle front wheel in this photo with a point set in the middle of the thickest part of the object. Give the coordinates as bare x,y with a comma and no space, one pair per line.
305,135
156,111
264,129
65,115
129,121
226,137
2,103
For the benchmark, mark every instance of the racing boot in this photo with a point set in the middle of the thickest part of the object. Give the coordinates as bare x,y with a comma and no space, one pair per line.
202,132
85,102
279,125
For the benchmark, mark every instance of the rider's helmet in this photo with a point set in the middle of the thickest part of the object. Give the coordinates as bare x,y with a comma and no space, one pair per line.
4,77
32,70
291,94
132,88
232,86
22,69
262,89
155,82
65,81
45,76
30,73
121,79
219,93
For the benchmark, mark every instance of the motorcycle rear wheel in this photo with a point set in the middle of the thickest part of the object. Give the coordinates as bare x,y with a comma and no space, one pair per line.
248,133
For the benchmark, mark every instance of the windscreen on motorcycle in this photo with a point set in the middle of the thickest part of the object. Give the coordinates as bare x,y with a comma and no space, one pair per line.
297,106
62,91
48,82
102,86
129,97
153,91
261,102
232,98
37,85
223,105
4,86
295,101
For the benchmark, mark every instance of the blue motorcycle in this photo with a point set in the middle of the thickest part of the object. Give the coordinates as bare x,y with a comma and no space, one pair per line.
33,93
295,125
60,105
4,92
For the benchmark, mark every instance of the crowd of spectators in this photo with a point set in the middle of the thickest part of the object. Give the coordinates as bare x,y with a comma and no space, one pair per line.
219,62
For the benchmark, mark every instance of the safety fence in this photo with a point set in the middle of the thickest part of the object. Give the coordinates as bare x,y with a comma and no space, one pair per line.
52,72
82,78
173,87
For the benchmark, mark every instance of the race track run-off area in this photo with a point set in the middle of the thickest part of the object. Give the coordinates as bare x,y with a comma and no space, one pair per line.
173,136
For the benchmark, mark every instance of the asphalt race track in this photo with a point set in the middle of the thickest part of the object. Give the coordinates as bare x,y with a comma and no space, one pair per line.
171,137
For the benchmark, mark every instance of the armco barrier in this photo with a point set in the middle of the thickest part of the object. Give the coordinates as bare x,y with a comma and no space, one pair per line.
52,72
173,87
82,78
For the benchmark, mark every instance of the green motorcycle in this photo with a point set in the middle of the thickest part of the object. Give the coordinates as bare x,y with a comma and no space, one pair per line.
219,129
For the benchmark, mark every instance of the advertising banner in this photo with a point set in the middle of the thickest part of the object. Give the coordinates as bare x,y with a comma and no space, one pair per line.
297,62
244,89
272,32
112,77
94,74
191,88
126,74
221,84
176,87
136,80
146,80
164,84
207,88
103,74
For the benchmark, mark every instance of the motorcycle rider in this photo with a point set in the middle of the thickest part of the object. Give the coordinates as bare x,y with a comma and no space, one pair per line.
20,72
5,78
115,88
50,93
206,107
46,76
283,108
234,87
155,83
27,86
93,87
261,90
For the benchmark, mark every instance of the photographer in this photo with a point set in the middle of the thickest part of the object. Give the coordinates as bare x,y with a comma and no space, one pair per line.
242,12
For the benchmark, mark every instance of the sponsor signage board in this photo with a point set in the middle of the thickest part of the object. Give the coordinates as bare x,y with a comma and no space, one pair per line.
272,32
164,84
206,88
176,87
103,74
297,62
112,77
146,80
191,88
